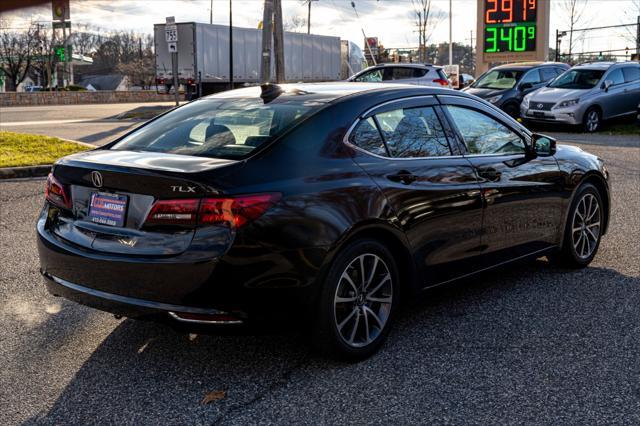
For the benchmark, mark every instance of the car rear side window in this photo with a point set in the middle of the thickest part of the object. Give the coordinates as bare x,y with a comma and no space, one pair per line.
631,74
413,132
483,134
219,128
367,137
400,73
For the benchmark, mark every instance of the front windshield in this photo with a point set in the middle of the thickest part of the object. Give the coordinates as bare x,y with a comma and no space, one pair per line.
220,128
578,79
498,79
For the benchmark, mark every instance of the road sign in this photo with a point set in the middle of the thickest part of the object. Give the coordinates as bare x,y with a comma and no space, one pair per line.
60,10
171,33
59,25
173,47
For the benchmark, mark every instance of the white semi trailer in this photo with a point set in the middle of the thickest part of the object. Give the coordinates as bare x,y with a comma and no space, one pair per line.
203,57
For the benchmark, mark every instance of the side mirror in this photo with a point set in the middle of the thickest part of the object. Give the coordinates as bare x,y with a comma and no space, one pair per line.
606,84
543,146
525,86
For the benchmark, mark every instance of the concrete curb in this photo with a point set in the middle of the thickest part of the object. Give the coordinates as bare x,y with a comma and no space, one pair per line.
24,172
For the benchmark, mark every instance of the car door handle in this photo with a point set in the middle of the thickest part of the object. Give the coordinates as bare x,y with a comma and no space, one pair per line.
490,174
403,177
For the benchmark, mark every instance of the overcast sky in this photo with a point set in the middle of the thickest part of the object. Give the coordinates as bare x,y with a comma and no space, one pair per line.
393,21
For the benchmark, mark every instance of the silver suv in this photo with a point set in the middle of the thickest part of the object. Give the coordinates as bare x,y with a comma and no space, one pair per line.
419,74
586,95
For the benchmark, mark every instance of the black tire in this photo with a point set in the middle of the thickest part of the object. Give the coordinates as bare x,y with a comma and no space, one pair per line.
592,120
572,254
512,109
327,337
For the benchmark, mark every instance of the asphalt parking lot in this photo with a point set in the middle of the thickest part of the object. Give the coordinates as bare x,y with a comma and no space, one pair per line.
527,344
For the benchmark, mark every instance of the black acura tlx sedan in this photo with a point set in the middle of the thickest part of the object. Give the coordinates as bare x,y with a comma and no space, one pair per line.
327,203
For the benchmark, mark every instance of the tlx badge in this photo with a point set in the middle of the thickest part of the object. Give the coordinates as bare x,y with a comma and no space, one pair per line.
183,188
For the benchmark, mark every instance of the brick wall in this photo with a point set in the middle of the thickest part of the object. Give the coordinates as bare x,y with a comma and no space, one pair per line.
71,98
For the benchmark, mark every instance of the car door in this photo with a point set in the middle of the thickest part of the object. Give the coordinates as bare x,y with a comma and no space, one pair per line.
529,82
547,74
631,93
612,101
432,190
522,195
404,75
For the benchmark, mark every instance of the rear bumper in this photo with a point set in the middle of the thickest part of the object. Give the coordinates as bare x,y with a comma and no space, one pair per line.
249,282
133,307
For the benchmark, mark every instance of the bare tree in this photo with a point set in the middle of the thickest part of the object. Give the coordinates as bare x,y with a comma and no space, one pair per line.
574,11
16,53
43,60
427,19
296,24
630,15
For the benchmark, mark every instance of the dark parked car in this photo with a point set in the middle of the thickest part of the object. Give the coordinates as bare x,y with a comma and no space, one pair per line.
506,85
325,203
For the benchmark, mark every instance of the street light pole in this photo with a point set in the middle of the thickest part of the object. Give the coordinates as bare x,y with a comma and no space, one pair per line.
450,35
230,45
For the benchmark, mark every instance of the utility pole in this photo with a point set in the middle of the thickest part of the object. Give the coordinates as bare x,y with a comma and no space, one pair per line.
366,42
450,34
230,45
267,31
309,16
278,41
638,37
211,12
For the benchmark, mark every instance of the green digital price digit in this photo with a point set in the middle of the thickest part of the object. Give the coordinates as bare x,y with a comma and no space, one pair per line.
491,39
508,38
531,32
520,36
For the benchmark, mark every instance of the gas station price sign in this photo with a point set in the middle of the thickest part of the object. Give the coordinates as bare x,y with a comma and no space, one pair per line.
510,26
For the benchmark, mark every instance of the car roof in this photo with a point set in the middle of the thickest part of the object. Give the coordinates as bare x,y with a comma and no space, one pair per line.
403,65
602,65
331,91
528,65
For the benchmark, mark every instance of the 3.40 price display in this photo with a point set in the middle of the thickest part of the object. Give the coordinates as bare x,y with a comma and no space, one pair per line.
515,38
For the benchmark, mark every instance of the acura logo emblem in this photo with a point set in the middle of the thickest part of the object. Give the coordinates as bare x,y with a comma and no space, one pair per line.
96,179
540,106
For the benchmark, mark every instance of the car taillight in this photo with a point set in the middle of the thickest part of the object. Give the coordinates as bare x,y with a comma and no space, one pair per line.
173,212
441,81
56,193
233,212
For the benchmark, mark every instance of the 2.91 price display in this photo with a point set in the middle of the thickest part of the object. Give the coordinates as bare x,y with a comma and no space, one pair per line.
513,38
508,11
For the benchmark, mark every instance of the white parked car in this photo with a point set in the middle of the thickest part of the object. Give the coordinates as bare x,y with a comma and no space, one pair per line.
419,74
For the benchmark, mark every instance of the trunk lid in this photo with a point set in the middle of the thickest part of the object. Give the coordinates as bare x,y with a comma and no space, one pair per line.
138,180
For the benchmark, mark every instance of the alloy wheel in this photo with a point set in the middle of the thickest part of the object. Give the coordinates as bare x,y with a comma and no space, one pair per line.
593,120
585,227
363,300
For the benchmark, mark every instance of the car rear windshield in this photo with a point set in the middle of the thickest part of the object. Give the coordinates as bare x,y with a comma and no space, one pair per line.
578,79
219,128
498,79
